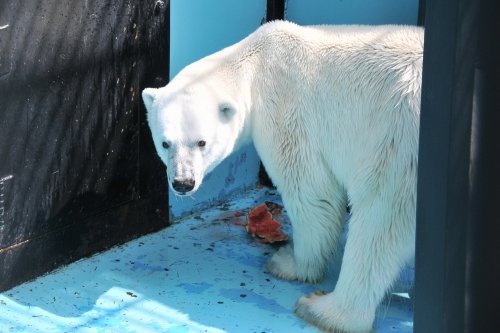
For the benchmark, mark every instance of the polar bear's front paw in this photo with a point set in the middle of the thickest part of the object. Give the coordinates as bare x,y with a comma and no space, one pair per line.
317,309
282,264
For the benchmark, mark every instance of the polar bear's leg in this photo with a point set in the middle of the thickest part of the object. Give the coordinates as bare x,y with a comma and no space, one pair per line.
317,224
380,242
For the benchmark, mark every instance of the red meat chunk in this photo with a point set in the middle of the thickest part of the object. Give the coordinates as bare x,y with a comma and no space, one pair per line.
260,223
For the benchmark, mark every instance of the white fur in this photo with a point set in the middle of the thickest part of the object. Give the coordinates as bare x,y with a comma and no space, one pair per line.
333,112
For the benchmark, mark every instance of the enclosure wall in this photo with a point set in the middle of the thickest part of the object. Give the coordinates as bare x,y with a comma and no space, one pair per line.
78,173
352,11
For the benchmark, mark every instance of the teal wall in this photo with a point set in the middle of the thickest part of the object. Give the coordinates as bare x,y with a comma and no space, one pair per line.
352,11
199,28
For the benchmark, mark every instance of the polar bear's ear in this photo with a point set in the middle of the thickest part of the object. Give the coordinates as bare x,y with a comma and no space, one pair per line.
149,96
226,112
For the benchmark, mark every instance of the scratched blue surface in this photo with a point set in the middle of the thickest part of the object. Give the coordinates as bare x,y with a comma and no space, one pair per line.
203,274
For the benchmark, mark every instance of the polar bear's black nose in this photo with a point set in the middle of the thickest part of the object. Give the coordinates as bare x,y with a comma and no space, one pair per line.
183,186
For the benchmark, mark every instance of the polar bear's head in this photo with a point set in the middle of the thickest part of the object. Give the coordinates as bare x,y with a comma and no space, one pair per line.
194,126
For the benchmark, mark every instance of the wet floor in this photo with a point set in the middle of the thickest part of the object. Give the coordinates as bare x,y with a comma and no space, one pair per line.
202,274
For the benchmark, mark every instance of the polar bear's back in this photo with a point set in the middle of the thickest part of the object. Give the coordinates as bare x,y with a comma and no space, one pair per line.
313,53
351,90
345,66
406,36
398,38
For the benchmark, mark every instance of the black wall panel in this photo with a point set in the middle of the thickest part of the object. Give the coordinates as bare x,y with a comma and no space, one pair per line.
78,172
458,211
275,10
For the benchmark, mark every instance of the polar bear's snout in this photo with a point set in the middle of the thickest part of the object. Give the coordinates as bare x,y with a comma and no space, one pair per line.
183,169
183,186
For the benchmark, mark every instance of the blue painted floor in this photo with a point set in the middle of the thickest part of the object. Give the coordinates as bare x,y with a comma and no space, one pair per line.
203,274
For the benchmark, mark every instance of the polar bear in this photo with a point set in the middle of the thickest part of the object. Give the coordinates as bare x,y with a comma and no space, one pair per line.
333,112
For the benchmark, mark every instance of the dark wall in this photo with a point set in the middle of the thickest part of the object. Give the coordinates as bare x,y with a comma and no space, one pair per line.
78,172
275,10
458,211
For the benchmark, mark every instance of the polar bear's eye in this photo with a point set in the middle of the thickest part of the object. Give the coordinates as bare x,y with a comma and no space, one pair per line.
165,145
201,143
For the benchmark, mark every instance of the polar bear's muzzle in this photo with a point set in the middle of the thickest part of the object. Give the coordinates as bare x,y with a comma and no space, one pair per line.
183,186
